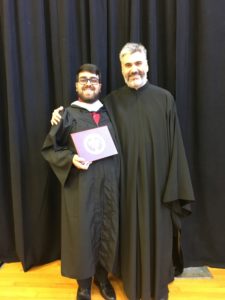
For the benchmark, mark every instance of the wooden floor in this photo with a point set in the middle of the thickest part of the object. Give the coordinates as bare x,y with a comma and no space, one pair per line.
46,283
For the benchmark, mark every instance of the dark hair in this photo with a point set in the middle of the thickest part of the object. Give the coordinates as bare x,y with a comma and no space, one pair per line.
89,68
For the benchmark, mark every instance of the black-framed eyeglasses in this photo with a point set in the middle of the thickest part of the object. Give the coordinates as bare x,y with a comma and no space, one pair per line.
85,80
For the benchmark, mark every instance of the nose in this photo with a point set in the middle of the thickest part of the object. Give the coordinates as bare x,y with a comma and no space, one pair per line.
88,82
134,69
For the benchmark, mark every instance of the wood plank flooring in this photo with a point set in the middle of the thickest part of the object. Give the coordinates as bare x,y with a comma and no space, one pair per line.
46,283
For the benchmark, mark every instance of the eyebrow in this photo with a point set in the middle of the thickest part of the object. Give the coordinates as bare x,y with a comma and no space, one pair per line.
89,77
133,63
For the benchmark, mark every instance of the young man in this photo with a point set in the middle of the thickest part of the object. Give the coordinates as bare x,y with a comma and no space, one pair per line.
156,189
89,191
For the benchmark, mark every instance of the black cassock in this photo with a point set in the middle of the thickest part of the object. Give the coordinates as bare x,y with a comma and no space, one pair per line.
156,189
89,198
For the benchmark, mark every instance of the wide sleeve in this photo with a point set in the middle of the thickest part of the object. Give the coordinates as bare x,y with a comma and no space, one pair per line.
178,193
56,148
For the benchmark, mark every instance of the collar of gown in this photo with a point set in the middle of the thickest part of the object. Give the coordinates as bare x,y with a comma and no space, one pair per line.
88,106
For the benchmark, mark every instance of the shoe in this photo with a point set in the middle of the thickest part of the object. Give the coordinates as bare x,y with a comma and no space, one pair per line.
83,293
106,289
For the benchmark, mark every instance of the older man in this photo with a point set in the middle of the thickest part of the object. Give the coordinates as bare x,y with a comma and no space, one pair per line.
156,189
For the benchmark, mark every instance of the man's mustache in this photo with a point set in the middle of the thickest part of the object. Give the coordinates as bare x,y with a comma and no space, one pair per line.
140,73
85,87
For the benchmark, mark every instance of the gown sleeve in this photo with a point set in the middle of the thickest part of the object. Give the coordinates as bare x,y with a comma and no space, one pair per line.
56,148
178,193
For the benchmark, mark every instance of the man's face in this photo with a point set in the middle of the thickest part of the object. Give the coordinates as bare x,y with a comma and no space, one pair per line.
134,69
88,87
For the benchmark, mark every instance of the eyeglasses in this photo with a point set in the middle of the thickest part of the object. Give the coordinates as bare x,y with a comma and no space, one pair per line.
85,80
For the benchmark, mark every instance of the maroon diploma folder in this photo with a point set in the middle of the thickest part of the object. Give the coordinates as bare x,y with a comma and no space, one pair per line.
94,144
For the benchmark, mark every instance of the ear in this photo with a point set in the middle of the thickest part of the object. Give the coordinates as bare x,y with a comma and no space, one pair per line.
147,67
76,86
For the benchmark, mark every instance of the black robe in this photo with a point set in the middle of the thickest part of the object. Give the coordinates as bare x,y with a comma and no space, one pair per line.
155,188
89,198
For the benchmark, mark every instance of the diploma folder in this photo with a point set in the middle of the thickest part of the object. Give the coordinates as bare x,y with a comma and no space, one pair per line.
94,144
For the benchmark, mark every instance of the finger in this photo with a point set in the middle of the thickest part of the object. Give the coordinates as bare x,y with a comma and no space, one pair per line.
57,118
53,122
79,159
56,111
81,166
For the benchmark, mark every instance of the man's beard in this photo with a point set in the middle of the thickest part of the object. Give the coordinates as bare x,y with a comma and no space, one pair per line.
132,83
88,100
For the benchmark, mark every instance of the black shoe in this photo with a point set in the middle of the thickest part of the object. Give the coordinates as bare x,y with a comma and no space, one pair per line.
83,293
106,289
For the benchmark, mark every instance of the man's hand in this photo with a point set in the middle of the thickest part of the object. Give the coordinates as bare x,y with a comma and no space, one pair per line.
56,117
80,163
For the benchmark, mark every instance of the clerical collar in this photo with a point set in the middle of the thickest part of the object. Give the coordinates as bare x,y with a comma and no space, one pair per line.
88,106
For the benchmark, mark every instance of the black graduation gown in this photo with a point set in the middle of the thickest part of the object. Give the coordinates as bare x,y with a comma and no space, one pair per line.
89,208
155,187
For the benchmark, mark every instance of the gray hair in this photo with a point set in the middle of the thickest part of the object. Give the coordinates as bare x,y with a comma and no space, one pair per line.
131,48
